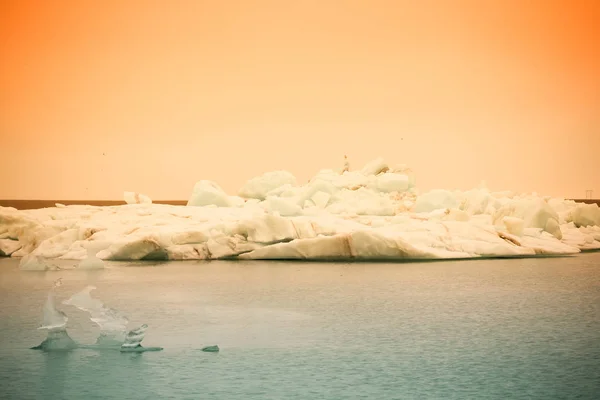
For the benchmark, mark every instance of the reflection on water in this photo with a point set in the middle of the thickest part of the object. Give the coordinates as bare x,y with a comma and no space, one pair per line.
487,329
56,370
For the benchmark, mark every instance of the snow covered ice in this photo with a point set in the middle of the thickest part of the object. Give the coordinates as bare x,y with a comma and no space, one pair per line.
372,213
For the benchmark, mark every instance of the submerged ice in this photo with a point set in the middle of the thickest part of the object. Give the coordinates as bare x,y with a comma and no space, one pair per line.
375,212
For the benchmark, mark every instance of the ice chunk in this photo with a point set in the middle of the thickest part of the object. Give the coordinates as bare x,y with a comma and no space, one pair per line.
582,238
435,200
476,201
514,226
133,341
111,322
586,215
57,340
552,227
207,193
362,201
316,186
286,190
375,167
535,213
134,337
8,246
258,187
391,182
281,205
53,318
320,199
55,321
136,198
130,248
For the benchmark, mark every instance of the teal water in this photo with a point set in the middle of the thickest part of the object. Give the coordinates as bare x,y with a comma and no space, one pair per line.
485,329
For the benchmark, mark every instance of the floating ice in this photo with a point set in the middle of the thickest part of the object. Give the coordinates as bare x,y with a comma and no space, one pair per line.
55,321
113,334
211,349
113,325
133,341
53,318
371,213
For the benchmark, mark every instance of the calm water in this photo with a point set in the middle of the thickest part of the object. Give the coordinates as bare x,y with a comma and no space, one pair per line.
486,329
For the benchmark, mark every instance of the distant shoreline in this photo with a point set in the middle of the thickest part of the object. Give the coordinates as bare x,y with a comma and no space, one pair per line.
36,204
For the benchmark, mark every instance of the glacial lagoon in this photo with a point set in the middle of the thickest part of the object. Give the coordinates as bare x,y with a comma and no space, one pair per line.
479,329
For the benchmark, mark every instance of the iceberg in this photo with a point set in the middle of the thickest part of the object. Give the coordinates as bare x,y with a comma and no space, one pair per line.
55,321
112,324
372,213
113,333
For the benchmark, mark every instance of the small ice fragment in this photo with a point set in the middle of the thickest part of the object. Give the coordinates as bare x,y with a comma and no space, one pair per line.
211,349
133,341
134,337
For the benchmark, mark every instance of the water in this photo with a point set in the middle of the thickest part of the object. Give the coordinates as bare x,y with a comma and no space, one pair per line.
485,329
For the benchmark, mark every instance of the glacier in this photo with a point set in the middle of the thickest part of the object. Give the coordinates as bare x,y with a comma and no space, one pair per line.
374,213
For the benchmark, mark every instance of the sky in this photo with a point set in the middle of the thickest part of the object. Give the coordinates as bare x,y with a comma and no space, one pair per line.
100,97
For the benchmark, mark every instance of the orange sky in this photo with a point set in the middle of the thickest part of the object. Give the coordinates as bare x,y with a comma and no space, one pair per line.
99,97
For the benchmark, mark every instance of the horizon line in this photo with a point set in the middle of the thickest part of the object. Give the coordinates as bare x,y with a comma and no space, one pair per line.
22,204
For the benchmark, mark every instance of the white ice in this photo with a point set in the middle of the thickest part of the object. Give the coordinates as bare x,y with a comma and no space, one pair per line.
53,319
372,213
135,337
